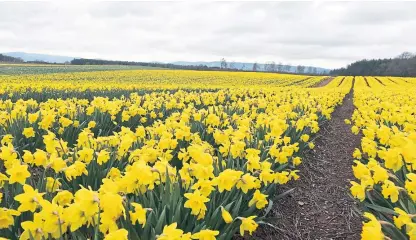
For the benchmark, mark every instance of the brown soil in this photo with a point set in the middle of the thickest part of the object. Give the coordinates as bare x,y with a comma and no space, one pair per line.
340,83
378,80
320,206
324,82
299,81
366,81
392,80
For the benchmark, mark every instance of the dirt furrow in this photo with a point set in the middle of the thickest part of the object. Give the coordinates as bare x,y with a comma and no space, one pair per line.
320,207
378,80
366,81
342,80
324,82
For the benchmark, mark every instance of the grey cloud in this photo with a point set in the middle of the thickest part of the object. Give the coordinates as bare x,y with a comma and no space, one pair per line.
324,34
380,13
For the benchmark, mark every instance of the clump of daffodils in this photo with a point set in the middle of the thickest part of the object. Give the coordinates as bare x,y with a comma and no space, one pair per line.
385,165
157,154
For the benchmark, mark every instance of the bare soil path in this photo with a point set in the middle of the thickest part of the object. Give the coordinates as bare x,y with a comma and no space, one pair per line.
324,82
320,207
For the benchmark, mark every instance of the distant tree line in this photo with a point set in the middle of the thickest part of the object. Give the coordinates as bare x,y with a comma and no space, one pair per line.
84,61
223,66
4,58
273,67
39,62
403,65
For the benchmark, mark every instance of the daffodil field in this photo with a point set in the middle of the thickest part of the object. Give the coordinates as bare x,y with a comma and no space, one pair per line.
173,154
152,154
386,162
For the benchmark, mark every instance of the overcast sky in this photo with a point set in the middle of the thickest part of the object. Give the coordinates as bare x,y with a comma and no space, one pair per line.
322,34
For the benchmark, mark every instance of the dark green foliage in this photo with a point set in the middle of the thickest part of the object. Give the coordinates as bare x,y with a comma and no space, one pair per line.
8,59
402,66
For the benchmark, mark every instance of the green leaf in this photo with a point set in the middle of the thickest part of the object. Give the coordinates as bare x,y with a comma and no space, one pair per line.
284,194
269,207
268,224
236,208
380,209
177,214
161,222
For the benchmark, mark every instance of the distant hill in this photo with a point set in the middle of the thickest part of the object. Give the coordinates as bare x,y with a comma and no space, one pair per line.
39,57
247,66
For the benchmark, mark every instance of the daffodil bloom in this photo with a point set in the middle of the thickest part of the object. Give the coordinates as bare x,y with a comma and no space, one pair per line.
3,179
390,190
379,174
108,222
139,214
358,191
205,234
170,232
92,124
33,229
85,155
294,174
196,202
247,182
7,217
226,216
32,117
297,161
410,185
204,186
393,159
411,231
88,201
57,163
29,200
357,154
371,229
18,173
52,184
305,137
8,154
114,173
75,170
253,159
227,179
120,234
102,157
355,130
7,139
360,170
259,199
28,157
28,132
281,177
52,214
40,158
63,198
403,218
248,224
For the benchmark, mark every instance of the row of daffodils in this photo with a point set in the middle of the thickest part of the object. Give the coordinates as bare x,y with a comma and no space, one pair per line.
190,163
59,85
385,165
